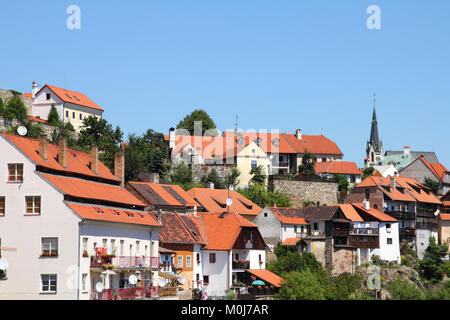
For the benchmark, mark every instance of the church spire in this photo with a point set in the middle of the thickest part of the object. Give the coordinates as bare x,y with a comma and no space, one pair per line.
374,138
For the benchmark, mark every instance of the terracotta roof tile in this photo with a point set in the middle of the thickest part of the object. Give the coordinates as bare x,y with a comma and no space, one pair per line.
113,214
180,228
445,216
350,213
214,200
87,189
337,167
290,241
77,161
381,216
73,97
289,216
317,144
267,276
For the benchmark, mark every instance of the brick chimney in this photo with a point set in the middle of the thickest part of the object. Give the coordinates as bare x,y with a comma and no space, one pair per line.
43,146
298,134
62,152
94,159
392,182
119,167
406,149
34,89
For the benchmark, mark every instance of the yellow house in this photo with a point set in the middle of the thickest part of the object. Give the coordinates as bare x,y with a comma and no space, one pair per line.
249,157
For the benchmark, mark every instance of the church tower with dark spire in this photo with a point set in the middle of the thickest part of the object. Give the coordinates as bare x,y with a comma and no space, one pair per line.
374,147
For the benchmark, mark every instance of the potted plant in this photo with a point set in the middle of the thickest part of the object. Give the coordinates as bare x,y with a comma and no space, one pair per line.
85,254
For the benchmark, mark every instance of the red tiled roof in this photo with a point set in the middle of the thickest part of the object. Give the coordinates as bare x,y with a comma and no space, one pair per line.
28,95
73,97
394,194
290,241
221,233
350,213
163,194
436,168
113,215
317,144
180,228
267,276
446,203
213,200
445,216
92,190
76,161
292,219
34,119
337,167
268,141
381,216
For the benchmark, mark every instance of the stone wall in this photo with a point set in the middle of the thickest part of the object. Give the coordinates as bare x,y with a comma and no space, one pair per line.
301,191
5,125
198,171
7,94
343,261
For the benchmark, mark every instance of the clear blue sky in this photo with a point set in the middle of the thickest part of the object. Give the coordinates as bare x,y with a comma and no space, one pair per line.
312,65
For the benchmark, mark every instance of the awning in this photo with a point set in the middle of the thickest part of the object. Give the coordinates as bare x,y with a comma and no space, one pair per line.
266,276
179,278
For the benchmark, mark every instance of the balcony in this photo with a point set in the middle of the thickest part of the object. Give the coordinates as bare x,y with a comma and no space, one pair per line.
340,232
426,212
364,231
426,225
241,264
125,293
124,262
315,234
402,215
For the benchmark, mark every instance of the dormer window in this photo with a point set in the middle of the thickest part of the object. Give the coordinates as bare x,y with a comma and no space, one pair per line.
240,141
47,96
276,142
258,142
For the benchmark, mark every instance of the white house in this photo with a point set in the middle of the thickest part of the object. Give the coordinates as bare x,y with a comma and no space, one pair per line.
72,106
234,245
73,225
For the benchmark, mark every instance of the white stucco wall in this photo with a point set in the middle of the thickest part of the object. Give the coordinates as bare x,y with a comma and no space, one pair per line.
219,272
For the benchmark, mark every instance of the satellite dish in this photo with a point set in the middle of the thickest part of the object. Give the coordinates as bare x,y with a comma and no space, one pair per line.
99,287
132,279
3,264
22,130
229,202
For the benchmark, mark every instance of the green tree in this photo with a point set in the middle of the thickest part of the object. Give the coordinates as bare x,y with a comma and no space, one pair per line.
64,130
33,130
100,133
342,181
288,261
258,176
213,177
232,178
367,172
432,266
301,285
259,194
189,120
433,184
307,166
53,116
404,290
14,108
136,153
182,175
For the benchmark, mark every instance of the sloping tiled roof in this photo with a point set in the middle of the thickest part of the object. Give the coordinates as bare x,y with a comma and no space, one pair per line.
214,200
380,216
350,213
92,190
394,194
436,168
76,161
35,119
180,228
113,215
269,142
73,97
163,194
28,95
337,167
290,241
289,215
267,276
312,213
445,216
317,144
221,233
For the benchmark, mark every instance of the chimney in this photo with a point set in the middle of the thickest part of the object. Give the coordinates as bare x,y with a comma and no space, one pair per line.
154,177
34,89
159,215
298,134
94,159
171,138
366,204
406,149
62,152
119,167
43,146
210,185
392,182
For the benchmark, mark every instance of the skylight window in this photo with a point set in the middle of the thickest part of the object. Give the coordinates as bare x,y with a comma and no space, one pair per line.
68,96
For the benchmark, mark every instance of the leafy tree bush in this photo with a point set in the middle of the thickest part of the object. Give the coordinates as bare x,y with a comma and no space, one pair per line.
232,179
404,290
181,174
259,195
307,166
213,177
367,172
433,184
53,116
342,181
231,295
432,265
197,115
301,285
14,108
258,176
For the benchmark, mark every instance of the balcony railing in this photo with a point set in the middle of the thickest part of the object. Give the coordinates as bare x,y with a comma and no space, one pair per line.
341,232
426,212
426,225
125,261
241,265
125,293
364,231
315,234
402,215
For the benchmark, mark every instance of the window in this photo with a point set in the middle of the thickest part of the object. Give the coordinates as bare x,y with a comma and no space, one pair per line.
121,247
49,246
47,96
73,115
15,171
367,194
180,261
83,281
113,246
2,206
324,159
131,249
33,204
105,243
265,214
188,262
198,257
316,226
81,116
138,248
67,113
295,228
48,283
212,258
254,164
94,245
205,279
375,206
146,251
85,243
389,240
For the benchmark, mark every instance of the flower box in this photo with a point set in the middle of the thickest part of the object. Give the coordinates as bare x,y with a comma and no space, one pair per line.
49,254
85,254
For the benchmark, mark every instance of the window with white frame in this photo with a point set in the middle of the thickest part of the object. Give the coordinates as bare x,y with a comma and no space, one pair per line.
180,261
33,204
2,206
105,243
83,281
188,262
121,247
48,283
85,244
113,246
15,172
49,246
138,249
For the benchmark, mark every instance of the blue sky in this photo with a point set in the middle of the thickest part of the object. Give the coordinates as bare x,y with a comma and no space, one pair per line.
284,65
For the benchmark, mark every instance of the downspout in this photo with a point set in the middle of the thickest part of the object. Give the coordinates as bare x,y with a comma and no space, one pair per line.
78,259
